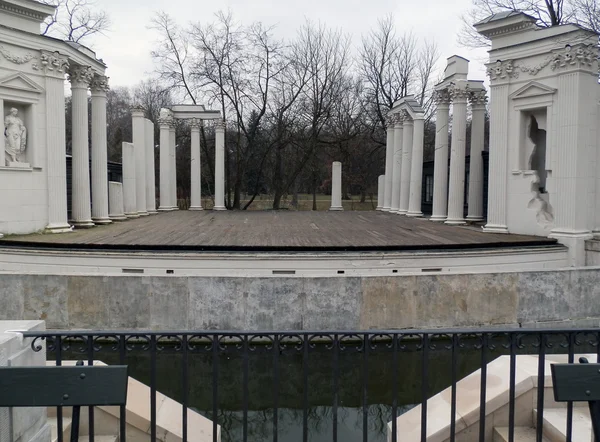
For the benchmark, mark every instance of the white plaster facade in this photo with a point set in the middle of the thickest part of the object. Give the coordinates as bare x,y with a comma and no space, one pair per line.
544,141
32,80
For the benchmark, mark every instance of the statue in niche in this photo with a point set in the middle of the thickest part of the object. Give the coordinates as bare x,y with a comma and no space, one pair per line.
537,162
15,137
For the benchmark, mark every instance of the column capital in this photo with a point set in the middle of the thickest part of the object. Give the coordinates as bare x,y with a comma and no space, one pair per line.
459,92
220,124
578,56
195,124
478,99
390,121
99,84
137,111
399,120
80,76
442,97
52,64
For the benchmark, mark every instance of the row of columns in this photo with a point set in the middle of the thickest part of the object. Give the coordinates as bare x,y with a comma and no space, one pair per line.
86,211
449,192
401,184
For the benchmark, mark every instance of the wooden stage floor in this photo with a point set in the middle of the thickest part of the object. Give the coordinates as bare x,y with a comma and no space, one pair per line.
280,231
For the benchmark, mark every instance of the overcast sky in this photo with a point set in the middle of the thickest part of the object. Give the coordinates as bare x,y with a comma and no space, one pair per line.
126,48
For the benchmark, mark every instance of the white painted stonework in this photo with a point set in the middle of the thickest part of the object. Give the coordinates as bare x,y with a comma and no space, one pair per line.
543,130
32,79
336,186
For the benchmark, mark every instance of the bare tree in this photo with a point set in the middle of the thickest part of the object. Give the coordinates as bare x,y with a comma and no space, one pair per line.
587,14
75,20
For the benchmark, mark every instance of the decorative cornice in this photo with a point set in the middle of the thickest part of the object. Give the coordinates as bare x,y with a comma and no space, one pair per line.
99,83
80,76
502,69
458,93
20,11
522,26
478,98
574,56
441,96
16,59
52,63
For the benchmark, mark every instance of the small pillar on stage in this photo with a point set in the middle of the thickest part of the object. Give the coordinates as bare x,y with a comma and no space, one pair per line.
139,146
116,210
165,122
99,88
380,191
389,163
219,165
150,173
397,163
336,186
129,181
196,167
478,100
440,165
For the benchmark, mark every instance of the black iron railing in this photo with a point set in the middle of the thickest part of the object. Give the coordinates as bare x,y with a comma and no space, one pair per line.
284,386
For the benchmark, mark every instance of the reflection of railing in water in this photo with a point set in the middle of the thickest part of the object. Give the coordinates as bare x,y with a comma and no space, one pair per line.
284,386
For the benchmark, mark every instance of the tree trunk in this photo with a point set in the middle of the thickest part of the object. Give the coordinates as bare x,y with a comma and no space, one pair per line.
314,190
363,196
295,195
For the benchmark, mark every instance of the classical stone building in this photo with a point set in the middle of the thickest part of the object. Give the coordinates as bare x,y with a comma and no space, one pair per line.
33,67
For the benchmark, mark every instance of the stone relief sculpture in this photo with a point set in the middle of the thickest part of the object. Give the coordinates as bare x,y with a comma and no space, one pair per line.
15,137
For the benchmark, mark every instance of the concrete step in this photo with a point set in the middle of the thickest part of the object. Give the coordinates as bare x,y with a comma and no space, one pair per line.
555,424
522,434
99,438
54,428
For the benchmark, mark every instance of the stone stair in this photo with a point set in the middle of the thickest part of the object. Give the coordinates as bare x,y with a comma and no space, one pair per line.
555,427
67,432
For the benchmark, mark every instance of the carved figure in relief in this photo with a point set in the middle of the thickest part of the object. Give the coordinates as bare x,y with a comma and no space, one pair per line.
15,136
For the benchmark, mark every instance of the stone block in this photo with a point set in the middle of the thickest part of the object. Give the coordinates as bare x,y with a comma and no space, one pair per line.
543,296
584,291
389,302
45,298
127,301
169,302
332,303
86,301
216,303
11,301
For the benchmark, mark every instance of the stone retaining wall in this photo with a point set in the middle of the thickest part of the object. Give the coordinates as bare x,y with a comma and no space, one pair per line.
564,297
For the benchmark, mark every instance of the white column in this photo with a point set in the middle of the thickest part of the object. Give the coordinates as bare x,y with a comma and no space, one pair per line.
498,166
56,152
196,165
478,100
336,186
407,142
99,87
129,181
397,163
380,191
80,77
150,171
165,162
2,145
389,164
139,145
173,159
116,208
456,188
440,165
416,168
219,165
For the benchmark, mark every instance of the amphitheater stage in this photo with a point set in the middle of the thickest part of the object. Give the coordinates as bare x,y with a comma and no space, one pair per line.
277,231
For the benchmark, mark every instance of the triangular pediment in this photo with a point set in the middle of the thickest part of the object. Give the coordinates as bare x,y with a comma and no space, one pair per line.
532,89
21,82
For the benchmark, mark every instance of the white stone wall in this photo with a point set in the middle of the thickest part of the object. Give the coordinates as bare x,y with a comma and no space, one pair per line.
22,424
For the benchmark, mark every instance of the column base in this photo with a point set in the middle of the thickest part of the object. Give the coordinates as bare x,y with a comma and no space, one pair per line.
152,212
165,209
395,211
174,208
196,208
438,218
143,213
474,218
59,228
378,208
385,209
132,215
455,222
83,224
118,218
336,209
495,228
220,208
101,221
575,241
414,214
402,212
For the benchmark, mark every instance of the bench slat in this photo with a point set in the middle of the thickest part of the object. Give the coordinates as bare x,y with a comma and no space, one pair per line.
576,382
63,386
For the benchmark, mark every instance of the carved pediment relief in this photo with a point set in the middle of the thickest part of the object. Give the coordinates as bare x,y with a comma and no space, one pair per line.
21,82
532,89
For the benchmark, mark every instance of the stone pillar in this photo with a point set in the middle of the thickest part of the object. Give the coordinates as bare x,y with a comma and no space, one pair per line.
380,191
116,208
129,181
478,100
150,170
336,186
80,77
173,160
498,166
456,189
389,164
440,165
196,165
219,165
407,144
139,145
416,168
165,162
99,87
2,140
56,150
397,163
